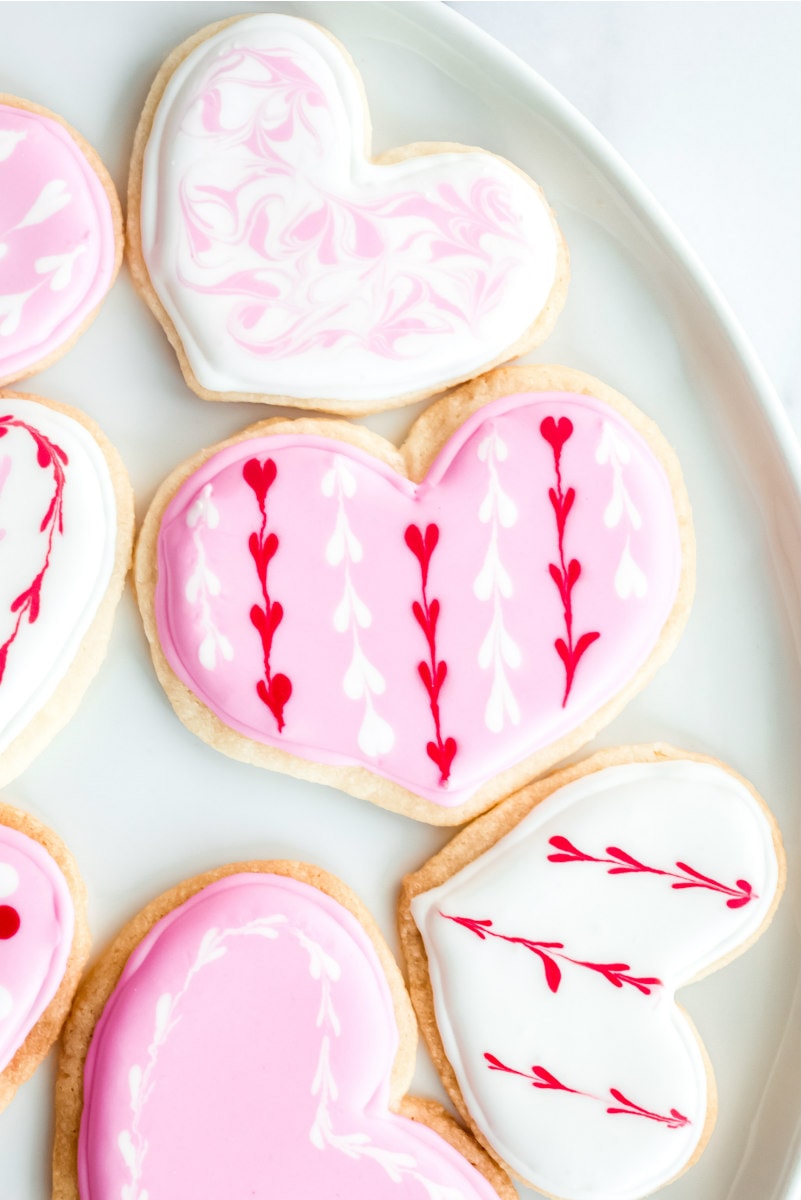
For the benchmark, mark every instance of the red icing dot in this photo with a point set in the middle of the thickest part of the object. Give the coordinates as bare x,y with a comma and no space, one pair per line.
9,921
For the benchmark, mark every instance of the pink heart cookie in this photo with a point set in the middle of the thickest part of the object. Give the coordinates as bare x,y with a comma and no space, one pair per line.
66,527
545,947
286,264
449,619
257,1042
60,236
44,943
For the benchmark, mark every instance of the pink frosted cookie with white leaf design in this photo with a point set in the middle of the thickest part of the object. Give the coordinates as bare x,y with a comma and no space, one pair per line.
44,943
426,627
544,947
287,265
249,1034
60,237
66,530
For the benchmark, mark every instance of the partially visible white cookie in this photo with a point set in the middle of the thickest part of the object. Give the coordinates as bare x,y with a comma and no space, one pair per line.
66,529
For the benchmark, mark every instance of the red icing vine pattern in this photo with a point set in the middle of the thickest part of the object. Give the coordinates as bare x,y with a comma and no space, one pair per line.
9,922
49,456
566,574
542,1078
433,673
273,690
549,952
621,863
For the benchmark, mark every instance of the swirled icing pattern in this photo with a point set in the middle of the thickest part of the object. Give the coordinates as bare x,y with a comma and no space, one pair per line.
37,919
554,958
57,243
247,1050
437,633
291,265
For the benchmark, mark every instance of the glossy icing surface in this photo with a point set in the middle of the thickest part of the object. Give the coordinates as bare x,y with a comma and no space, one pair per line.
57,245
247,1051
554,958
58,531
37,920
291,265
436,633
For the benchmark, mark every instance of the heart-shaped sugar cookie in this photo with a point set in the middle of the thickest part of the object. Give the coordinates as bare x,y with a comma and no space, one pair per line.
285,264
44,943
257,1042
66,526
545,946
60,236
449,619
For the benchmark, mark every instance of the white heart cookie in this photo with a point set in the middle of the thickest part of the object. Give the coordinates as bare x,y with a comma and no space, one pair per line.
553,959
287,264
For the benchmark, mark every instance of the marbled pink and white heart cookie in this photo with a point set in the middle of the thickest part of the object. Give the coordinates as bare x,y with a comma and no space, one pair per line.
430,627
44,943
66,529
249,1034
60,237
286,264
545,945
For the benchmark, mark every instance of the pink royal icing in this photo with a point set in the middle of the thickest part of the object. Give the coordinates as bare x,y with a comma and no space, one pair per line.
57,243
37,920
437,633
247,1051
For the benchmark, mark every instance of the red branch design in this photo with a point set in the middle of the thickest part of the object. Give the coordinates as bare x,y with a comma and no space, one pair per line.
433,673
50,457
549,952
542,1078
273,690
621,863
566,574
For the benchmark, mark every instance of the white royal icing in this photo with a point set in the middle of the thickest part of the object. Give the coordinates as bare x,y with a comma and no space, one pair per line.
492,995
291,265
82,549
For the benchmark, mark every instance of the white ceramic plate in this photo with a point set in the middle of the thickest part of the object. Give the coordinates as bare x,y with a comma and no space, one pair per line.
143,804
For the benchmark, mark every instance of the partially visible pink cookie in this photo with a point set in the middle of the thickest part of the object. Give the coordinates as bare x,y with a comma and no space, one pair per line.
44,943
248,1034
60,236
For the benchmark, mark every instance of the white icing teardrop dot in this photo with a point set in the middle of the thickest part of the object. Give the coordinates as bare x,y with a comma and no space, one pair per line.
9,879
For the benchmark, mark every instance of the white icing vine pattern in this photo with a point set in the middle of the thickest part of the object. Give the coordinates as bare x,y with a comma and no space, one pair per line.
133,1145
630,580
362,681
202,584
493,584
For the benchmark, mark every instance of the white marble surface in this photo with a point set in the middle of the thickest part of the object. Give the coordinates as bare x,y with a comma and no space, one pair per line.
703,100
